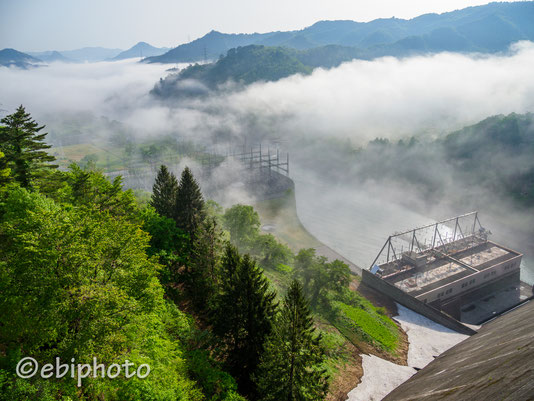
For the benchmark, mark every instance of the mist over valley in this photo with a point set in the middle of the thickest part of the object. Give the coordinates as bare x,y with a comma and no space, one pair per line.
199,208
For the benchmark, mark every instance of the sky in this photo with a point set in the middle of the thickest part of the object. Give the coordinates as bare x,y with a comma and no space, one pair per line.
38,25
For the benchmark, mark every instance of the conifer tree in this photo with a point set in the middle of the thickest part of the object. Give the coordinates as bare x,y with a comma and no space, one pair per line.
290,368
189,206
24,147
164,193
244,317
201,278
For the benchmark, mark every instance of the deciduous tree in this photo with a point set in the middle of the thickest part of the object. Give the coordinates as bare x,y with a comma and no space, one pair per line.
243,223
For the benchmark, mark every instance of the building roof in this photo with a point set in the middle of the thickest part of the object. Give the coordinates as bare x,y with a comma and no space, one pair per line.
441,268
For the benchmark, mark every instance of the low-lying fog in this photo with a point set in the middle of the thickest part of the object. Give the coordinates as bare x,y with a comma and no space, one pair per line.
426,96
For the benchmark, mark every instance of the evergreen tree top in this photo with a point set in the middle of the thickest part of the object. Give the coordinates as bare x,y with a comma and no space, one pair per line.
189,206
24,146
164,193
295,353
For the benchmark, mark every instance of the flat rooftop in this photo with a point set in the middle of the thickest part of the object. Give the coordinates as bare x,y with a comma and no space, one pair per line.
445,264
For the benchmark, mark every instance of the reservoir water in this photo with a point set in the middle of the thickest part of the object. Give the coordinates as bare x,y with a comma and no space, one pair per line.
356,224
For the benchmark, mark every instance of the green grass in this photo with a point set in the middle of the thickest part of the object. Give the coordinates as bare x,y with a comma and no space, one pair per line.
105,159
369,323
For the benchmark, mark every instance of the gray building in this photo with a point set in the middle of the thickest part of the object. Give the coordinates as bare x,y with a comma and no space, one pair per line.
453,267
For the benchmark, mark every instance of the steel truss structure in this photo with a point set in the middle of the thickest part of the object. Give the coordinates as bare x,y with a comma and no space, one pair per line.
254,158
444,238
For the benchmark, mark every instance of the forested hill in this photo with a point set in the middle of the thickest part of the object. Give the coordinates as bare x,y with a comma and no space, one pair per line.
496,154
500,152
488,28
243,65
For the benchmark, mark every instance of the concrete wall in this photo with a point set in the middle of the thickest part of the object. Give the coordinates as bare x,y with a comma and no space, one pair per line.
270,185
453,306
410,302
481,277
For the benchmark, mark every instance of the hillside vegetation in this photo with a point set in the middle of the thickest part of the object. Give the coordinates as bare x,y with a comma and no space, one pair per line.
196,292
243,65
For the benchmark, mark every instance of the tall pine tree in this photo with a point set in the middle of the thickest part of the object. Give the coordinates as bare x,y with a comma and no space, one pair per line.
189,207
164,193
24,147
202,276
244,317
290,368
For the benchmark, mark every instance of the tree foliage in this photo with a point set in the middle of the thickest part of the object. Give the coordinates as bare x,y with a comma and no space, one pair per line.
189,206
291,367
90,188
4,171
243,223
87,271
202,276
164,193
244,316
77,283
24,147
320,276
270,251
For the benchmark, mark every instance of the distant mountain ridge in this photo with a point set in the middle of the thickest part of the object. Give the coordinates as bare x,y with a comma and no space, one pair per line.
141,49
95,54
14,58
489,28
51,56
85,54
91,54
